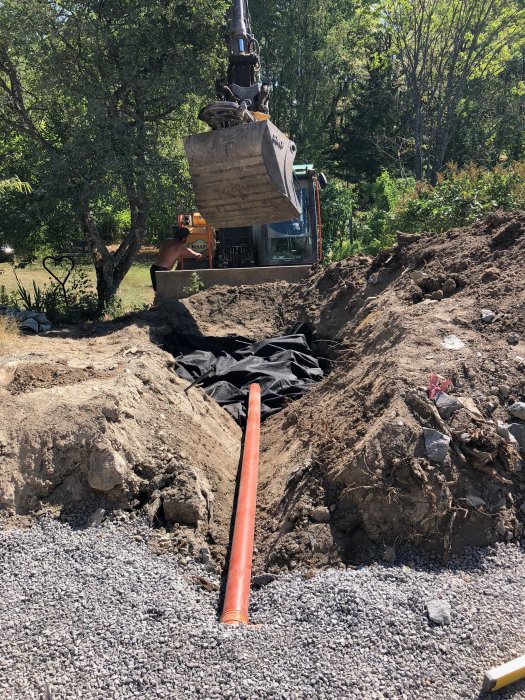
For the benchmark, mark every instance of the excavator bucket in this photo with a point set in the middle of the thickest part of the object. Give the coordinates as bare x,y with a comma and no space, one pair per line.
242,175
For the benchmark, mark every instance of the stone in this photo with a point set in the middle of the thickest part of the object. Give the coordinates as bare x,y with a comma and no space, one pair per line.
321,514
204,555
374,279
107,468
513,339
504,391
183,512
436,445
449,286
419,277
263,580
437,295
500,528
487,316
504,432
439,611
447,405
517,430
389,555
475,501
452,342
96,518
491,274
518,410
30,324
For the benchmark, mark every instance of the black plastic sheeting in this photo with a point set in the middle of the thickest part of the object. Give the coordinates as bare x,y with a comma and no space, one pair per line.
284,367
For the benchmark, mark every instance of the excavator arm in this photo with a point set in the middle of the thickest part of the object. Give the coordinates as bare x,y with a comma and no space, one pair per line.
242,170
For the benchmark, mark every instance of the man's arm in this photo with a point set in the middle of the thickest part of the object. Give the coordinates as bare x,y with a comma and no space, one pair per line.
191,252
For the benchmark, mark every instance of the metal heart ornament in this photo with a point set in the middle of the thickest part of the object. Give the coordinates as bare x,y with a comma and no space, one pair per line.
57,262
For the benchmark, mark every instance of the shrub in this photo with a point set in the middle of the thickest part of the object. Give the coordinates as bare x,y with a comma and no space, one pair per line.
195,286
460,197
79,304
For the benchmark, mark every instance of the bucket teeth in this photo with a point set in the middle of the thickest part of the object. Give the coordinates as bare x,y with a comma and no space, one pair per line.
242,175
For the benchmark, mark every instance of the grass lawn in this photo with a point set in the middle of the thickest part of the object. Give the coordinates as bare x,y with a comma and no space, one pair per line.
135,291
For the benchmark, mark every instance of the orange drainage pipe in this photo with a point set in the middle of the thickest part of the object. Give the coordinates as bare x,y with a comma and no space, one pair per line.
235,609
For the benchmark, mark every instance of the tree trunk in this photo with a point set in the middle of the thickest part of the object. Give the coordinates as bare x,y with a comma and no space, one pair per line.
111,268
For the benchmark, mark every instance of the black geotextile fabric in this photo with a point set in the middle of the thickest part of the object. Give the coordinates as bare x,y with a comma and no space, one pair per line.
284,367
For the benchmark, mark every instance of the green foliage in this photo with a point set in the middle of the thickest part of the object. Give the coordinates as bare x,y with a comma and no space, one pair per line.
100,91
78,305
375,228
337,204
9,299
439,47
114,309
14,184
460,197
195,286
314,54
29,302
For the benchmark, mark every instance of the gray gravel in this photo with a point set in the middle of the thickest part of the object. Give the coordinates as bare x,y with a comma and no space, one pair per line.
96,614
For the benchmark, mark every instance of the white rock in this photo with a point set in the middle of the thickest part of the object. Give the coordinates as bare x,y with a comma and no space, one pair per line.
436,445
438,611
107,469
475,501
452,342
487,316
518,410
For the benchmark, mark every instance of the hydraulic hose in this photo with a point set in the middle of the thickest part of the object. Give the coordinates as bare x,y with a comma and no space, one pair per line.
235,609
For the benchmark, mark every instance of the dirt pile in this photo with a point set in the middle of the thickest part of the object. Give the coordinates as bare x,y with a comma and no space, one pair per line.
367,457
105,422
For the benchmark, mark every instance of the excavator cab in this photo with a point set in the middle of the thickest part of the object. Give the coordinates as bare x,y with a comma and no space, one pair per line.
295,241
241,171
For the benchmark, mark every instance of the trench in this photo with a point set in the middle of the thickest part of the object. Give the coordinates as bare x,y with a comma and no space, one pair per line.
285,367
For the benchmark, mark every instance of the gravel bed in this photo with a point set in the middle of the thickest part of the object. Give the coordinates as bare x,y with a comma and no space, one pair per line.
96,613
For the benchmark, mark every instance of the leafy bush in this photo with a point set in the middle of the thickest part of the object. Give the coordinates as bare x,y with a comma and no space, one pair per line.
337,204
195,286
375,228
77,305
460,197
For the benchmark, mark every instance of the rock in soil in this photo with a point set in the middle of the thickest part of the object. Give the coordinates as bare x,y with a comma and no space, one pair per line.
436,445
518,410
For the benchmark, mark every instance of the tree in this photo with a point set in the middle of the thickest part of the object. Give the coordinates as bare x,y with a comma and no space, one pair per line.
439,46
314,55
96,87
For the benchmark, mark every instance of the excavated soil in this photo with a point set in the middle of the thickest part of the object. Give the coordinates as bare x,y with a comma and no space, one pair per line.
100,419
346,468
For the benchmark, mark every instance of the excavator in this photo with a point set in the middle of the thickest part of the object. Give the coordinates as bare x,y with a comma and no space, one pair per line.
242,170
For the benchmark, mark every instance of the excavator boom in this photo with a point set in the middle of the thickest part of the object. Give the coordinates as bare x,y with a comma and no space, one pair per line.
242,170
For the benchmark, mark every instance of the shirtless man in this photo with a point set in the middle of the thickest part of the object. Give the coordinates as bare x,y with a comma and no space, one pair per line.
170,251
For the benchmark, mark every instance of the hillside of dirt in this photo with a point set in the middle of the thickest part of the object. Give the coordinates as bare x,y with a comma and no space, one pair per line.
413,437
103,423
351,465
